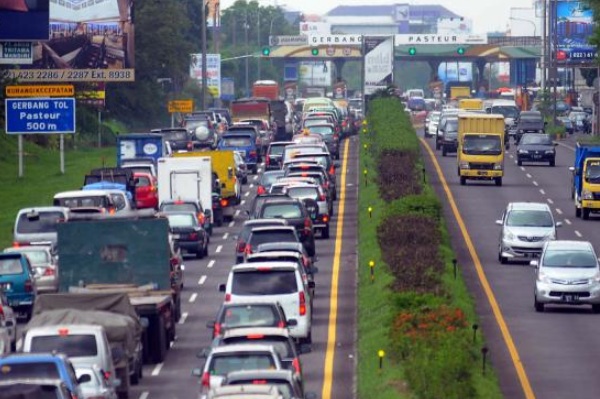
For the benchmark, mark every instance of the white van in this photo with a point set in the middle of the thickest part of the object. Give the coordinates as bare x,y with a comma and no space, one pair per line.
92,201
37,225
273,281
86,345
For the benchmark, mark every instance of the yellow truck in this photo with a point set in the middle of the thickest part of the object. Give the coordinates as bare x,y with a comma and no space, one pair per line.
481,149
457,92
229,192
470,104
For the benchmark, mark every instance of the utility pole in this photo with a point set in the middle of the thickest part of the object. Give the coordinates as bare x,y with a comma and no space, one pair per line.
553,33
204,66
258,40
246,27
544,40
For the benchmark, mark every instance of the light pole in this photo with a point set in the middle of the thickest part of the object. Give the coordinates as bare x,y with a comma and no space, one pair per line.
526,20
258,39
203,34
246,27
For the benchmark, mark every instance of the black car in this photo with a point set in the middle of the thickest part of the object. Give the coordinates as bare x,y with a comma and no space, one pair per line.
330,137
448,135
536,147
244,235
187,233
267,179
251,314
189,205
178,138
259,200
265,234
528,122
274,154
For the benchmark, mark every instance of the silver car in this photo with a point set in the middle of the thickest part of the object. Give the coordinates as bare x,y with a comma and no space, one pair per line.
526,226
98,386
44,265
567,273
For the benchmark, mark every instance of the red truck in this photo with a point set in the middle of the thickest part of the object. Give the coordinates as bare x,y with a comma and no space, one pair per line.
266,89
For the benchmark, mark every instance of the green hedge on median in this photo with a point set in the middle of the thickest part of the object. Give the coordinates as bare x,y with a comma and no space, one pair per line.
423,316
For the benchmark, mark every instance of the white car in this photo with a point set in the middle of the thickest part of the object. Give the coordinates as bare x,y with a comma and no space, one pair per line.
431,123
97,387
5,344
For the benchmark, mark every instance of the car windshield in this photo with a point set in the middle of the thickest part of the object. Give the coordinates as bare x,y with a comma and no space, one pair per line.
529,218
316,121
10,266
280,344
42,222
72,345
250,316
83,202
276,149
592,172
569,259
303,192
187,220
262,237
281,211
322,130
236,142
175,136
142,181
38,369
508,111
482,144
178,208
451,125
226,363
268,178
283,387
36,257
264,282
541,139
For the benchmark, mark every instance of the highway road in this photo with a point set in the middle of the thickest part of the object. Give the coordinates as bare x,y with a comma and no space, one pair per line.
552,354
334,321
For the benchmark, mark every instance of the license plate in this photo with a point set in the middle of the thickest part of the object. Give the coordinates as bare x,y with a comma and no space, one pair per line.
482,173
570,298
6,286
537,157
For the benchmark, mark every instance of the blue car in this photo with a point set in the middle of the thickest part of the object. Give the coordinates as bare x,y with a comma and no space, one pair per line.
17,282
28,366
245,143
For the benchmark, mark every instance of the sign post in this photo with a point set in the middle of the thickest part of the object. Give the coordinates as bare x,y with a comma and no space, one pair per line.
40,116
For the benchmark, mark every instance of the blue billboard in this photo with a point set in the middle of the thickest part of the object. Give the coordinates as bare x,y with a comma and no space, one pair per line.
574,26
40,115
24,20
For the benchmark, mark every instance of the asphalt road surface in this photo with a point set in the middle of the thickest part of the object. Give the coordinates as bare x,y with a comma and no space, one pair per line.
556,352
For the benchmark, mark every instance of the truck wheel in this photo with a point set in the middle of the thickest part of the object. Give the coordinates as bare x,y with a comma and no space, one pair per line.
520,163
123,389
160,349
585,213
498,181
219,219
577,212
463,180
553,162
255,169
325,232
444,151
135,377
245,180
539,307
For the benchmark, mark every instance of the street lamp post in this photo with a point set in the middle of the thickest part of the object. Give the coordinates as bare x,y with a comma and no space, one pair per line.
258,39
527,20
204,69
246,27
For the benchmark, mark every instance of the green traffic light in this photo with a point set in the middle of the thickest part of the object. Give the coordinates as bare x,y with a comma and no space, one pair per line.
412,51
266,51
460,50
314,51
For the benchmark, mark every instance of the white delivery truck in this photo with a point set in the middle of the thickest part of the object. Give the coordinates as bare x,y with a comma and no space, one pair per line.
187,178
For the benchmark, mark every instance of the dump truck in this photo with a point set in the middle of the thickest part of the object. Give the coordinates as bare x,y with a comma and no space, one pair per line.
458,92
266,88
585,182
141,147
481,147
130,253
114,312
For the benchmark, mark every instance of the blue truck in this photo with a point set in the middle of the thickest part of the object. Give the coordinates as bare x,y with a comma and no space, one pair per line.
141,146
585,187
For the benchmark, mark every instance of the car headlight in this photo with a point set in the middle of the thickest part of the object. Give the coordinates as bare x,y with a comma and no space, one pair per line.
497,166
587,195
523,152
550,236
521,131
463,165
542,278
508,236
595,279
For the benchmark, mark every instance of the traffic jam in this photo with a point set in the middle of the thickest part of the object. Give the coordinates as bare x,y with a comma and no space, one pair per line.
93,287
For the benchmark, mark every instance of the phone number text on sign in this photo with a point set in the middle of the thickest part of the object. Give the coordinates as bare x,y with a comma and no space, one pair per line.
73,75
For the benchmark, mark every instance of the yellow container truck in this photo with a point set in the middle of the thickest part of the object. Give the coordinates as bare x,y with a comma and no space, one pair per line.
480,147
470,104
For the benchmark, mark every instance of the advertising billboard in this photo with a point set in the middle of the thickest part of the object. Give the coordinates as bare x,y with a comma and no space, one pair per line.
90,41
24,19
213,72
574,26
379,63
213,17
315,73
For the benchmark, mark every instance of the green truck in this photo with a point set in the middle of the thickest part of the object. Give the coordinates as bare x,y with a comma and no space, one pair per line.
127,253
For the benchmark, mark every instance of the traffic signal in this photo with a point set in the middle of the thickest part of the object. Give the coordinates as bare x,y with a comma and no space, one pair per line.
412,51
266,51
314,51
460,50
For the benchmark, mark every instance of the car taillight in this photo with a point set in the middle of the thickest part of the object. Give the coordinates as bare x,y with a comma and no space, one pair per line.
344,123
326,184
106,375
307,226
267,160
281,324
49,272
322,197
201,218
193,236
28,286
227,297
206,379
325,218
252,153
302,308
336,136
296,365
261,190
247,249
217,330
224,203
1,312
241,247
332,170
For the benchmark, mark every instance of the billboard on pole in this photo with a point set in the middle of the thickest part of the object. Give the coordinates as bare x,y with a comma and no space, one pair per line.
378,62
213,16
213,72
90,41
24,20
574,24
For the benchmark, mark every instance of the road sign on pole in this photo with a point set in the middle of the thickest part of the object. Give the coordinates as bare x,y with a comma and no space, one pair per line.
40,115
185,106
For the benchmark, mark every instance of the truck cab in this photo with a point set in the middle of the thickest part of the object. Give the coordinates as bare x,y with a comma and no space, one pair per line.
585,188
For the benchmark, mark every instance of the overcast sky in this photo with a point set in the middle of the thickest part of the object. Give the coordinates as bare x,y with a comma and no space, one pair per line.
487,15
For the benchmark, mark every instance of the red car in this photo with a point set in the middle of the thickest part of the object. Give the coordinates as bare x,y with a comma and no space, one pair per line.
146,191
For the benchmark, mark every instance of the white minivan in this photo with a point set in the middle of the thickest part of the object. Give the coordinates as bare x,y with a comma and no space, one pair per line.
273,281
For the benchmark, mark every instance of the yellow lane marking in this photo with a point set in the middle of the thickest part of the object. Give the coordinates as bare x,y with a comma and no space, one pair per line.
333,299
512,349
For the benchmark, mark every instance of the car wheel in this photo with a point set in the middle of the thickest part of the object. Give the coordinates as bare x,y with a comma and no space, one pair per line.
577,212
552,162
308,339
444,151
539,307
498,181
519,162
245,180
585,213
255,169
596,308
502,259
463,180
200,253
206,249
325,232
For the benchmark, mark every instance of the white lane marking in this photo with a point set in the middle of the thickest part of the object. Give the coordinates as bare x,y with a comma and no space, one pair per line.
510,155
542,191
528,175
578,234
535,183
231,223
237,212
219,248
558,211
550,201
516,163
211,264
523,168
184,316
225,236
144,395
256,177
251,185
193,297
259,170
567,221
157,368
171,344
243,202
247,193
202,279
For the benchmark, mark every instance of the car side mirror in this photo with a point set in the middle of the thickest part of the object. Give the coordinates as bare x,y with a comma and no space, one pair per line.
499,222
210,324
221,287
534,263
311,285
559,224
292,322
572,169
83,378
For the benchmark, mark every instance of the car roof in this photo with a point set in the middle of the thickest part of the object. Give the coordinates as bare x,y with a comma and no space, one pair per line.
80,193
44,209
261,374
528,206
273,227
240,332
277,265
272,222
232,349
569,244
28,248
279,246
32,357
